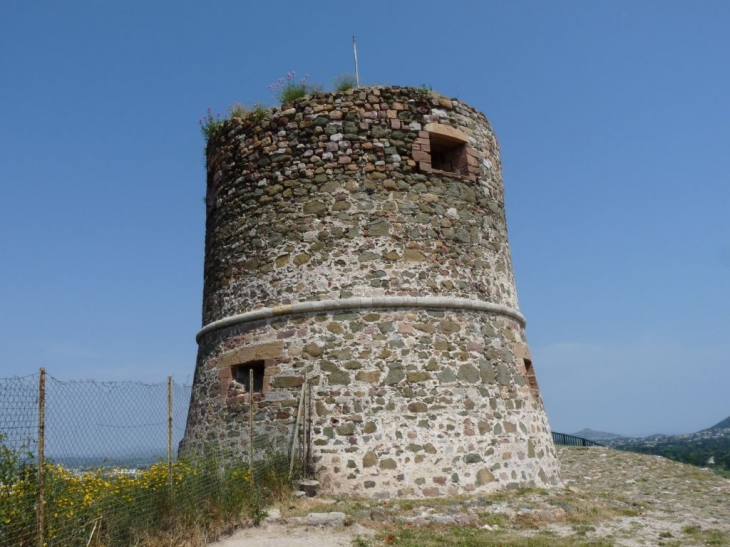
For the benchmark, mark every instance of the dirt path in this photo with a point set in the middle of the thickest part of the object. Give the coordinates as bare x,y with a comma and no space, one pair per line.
283,535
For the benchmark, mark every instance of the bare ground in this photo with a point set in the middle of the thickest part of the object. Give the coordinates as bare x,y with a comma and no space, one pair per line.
626,499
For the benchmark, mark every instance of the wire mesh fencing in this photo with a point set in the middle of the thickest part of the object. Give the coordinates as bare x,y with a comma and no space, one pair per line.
269,433
278,442
87,463
18,445
19,412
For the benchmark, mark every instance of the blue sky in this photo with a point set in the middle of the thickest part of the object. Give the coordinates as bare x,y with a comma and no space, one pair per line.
614,125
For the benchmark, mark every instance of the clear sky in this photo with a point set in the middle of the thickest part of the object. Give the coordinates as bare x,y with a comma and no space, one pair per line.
614,125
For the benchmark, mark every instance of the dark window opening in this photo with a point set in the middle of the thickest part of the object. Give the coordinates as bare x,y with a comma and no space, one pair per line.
530,375
448,155
242,375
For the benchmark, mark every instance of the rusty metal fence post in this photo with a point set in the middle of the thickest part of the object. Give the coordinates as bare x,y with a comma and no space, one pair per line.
41,455
169,433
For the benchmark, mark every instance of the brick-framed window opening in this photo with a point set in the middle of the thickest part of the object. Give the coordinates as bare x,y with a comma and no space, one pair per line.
448,155
241,374
444,149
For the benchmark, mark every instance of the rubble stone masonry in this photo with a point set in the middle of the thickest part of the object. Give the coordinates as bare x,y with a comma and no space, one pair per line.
357,241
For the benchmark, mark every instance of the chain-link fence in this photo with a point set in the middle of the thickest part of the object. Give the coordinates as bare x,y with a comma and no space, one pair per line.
280,439
19,430
95,463
270,431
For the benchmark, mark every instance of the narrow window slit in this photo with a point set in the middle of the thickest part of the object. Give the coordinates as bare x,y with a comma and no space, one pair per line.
530,375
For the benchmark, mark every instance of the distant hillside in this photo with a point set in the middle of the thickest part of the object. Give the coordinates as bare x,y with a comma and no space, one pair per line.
597,436
708,447
725,424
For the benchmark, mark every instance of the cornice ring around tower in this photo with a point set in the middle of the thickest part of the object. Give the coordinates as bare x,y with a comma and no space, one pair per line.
362,302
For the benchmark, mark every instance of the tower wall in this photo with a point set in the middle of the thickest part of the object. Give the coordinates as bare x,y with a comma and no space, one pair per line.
357,241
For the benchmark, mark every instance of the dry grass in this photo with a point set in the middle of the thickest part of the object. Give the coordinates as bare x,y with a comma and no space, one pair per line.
460,536
192,534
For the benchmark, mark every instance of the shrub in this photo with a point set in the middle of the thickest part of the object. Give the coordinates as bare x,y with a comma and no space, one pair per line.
288,89
344,81
209,124
133,507
424,92
18,496
238,110
257,113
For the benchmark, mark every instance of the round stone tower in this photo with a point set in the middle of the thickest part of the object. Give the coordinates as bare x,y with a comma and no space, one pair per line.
356,241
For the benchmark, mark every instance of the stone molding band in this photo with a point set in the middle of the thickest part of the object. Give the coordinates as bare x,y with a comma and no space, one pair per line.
363,302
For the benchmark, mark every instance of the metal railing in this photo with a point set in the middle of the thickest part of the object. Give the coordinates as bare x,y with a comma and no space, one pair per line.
571,440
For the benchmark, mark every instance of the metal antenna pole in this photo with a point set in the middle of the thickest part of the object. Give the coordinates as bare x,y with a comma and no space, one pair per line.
357,74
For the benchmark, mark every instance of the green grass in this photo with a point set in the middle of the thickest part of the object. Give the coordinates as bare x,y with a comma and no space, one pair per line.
211,124
707,536
344,81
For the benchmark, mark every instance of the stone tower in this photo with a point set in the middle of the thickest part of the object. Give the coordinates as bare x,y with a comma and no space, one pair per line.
357,241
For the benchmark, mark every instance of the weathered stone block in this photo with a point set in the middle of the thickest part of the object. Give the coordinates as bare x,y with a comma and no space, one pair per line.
447,375
369,459
371,377
413,255
336,328
395,374
313,350
418,376
468,373
347,428
301,258
503,375
259,352
484,476
314,208
388,463
449,327
486,372
417,406
334,519
339,377
367,256
287,381
379,227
